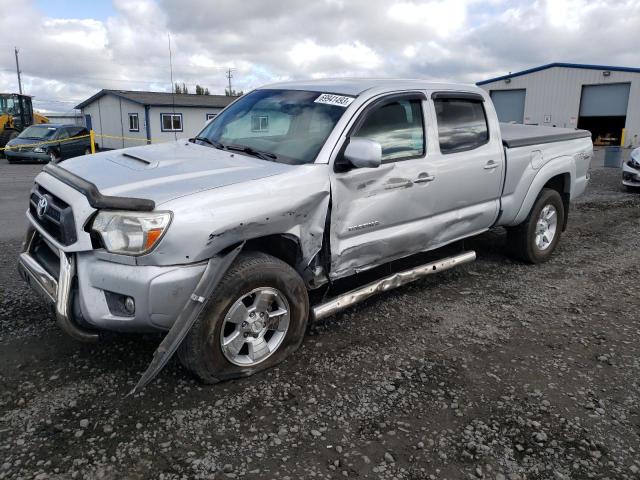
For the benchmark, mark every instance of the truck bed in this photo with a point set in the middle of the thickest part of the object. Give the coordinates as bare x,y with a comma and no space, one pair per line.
516,135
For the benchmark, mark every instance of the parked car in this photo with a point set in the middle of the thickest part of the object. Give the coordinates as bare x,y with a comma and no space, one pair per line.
45,143
631,171
233,240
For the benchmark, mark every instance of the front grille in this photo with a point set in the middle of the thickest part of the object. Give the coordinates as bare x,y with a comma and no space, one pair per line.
54,215
45,256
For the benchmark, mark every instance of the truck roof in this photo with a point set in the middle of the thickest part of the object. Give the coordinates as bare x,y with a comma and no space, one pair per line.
355,86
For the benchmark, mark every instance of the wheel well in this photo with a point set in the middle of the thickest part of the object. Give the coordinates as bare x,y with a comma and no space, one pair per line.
561,184
285,247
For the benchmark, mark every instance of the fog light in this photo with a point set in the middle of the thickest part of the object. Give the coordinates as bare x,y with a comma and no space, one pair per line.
130,305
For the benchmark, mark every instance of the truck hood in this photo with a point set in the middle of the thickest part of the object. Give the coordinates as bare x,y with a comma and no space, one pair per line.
167,171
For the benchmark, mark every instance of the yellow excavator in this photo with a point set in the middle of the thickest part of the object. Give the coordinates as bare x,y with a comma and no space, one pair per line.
16,114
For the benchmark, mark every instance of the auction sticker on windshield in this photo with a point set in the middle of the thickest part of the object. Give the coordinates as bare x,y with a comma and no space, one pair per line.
331,99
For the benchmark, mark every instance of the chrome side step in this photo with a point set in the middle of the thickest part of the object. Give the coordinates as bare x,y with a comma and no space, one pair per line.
388,283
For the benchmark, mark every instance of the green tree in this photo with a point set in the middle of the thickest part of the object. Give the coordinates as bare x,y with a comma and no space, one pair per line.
233,93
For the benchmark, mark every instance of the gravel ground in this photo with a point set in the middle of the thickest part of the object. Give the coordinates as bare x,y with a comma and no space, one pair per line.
495,370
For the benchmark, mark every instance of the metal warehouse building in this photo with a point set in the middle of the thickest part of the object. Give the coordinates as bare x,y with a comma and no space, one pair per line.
602,99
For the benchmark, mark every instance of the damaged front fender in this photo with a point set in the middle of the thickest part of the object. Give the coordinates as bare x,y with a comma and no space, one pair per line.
216,268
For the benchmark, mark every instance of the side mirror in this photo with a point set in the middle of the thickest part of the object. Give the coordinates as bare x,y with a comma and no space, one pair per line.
363,153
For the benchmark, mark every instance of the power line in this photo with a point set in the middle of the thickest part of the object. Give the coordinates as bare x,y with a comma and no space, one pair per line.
173,91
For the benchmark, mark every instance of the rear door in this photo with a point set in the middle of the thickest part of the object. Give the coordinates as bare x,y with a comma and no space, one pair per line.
76,146
81,144
379,214
468,165
65,148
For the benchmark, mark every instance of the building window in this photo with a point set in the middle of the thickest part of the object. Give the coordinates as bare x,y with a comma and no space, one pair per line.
260,123
134,126
171,122
211,116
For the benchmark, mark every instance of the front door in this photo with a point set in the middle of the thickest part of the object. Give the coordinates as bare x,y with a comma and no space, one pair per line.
379,214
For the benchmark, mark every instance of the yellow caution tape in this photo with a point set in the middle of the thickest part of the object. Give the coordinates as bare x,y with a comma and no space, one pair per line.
122,138
92,135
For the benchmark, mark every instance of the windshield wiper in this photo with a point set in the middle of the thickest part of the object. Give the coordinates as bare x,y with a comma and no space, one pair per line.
252,151
213,143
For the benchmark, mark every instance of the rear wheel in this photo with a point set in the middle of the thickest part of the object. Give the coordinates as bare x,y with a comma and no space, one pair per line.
535,240
255,318
53,156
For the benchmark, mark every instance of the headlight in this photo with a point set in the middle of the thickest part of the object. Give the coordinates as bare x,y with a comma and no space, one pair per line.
634,161
38,150
132,233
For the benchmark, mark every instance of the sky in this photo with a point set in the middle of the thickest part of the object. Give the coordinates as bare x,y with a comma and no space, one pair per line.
69,50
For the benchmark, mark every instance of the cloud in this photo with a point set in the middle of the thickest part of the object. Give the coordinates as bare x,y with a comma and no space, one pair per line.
64,60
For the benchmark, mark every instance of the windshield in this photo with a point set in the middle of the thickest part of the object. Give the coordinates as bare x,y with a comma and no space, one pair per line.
39,132
7,104
288,126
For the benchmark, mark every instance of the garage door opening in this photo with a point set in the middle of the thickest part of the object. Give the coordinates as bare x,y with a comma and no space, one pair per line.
603,111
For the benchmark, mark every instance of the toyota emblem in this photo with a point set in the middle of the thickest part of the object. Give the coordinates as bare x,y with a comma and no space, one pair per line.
42,207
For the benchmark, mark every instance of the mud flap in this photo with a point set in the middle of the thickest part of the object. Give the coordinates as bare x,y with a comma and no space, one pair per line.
211,277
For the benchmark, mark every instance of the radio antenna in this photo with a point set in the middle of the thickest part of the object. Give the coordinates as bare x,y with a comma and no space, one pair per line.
173,89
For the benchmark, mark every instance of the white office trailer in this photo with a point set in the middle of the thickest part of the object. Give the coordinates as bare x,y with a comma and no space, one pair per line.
130,118
602,99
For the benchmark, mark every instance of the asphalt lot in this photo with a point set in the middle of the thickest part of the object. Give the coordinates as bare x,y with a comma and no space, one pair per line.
494,370
15,184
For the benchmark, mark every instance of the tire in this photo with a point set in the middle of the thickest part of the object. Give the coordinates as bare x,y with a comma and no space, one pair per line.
5,137
202,352
53,156
87,151
525,240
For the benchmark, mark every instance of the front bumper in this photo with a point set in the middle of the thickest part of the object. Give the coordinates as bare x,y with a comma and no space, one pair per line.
54,290
86,289
630,175
26,156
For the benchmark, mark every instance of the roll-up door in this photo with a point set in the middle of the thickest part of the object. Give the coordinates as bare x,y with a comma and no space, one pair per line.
509,104
605,100
603,111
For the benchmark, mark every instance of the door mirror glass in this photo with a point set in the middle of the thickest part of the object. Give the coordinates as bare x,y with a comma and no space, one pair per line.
363,153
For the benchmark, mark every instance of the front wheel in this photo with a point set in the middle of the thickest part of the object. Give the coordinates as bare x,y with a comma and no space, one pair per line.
53,156
535,240
254,319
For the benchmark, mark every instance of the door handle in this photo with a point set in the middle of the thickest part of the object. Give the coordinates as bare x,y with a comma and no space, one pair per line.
490,165
425,179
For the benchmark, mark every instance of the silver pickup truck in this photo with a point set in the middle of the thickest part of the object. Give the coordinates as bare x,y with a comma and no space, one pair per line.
222,240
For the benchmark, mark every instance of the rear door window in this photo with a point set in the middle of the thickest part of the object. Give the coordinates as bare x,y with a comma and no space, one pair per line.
398,127
462,124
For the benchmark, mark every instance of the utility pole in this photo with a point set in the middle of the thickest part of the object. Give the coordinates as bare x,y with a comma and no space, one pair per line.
15,49
229,76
